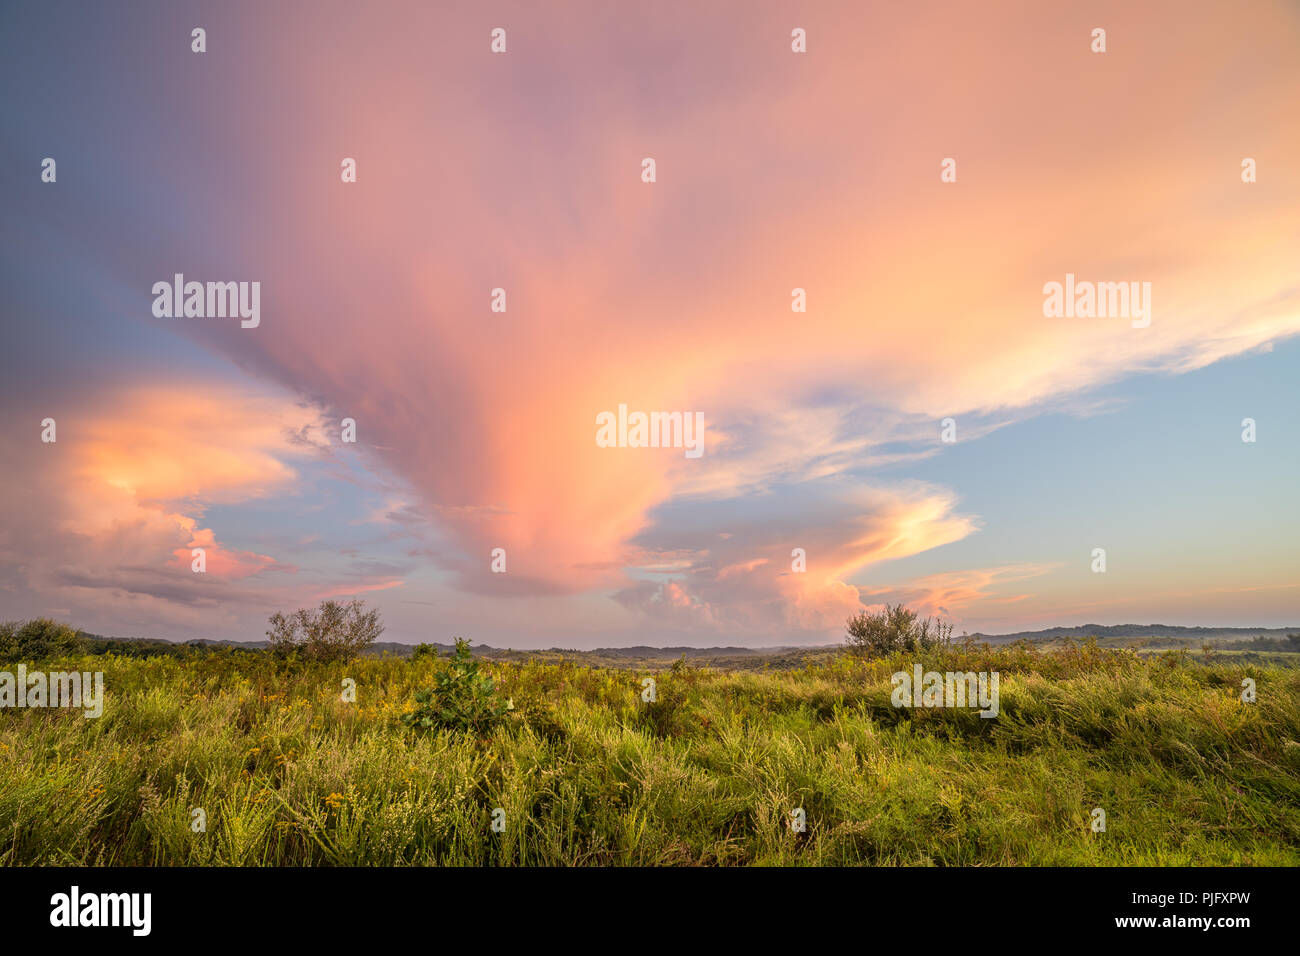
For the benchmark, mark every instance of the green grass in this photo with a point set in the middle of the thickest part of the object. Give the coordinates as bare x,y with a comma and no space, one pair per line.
289,774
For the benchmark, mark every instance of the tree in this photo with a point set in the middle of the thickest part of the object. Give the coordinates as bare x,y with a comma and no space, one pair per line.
38,638
896,628
333,632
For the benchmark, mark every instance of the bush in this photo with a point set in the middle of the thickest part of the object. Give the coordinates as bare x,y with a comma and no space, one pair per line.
36,639
424,650
896,628
333,632
461,698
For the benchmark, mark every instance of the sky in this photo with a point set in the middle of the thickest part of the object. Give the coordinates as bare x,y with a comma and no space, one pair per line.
774,170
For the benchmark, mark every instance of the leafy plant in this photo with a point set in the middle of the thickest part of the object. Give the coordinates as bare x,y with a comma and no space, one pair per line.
896,628
36,639
462,698
333,632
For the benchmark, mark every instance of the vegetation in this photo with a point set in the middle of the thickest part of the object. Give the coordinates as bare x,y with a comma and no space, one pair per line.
287,772
463,698
334,632
35,639
1291,644
896,628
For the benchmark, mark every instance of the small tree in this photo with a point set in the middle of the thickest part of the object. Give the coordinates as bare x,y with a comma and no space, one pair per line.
333,632
36,639
896,628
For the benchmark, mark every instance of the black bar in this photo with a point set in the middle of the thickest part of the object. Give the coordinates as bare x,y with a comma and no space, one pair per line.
928,907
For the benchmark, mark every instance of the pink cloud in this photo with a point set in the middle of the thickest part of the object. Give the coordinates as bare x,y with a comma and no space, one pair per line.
676,296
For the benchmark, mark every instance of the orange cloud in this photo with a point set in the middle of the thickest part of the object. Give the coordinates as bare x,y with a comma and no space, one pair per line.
840,532
106,517
946,595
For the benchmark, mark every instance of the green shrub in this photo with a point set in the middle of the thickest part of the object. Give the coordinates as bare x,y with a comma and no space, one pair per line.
36,639
896,628
462,698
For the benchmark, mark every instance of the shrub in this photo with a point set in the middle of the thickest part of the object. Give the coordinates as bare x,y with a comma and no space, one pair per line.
896,628
424,650
333,632
36,639
462,698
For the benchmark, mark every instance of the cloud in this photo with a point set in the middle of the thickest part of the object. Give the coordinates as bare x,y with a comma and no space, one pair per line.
950,593
741,573
103,521
925,299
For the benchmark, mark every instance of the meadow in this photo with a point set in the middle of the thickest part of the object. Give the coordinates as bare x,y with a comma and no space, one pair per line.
288,773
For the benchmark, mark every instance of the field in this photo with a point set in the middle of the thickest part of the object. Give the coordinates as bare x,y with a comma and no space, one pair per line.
285,772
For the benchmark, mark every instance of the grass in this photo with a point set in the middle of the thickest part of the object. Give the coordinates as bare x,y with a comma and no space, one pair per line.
287,773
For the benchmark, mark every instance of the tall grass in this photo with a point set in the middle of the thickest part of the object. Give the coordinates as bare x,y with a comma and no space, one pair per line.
587,773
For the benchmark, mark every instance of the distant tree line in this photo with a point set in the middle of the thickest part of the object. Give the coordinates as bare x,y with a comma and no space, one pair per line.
1291,643
331,632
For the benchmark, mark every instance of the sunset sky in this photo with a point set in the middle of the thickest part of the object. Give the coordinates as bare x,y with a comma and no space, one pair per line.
775,170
